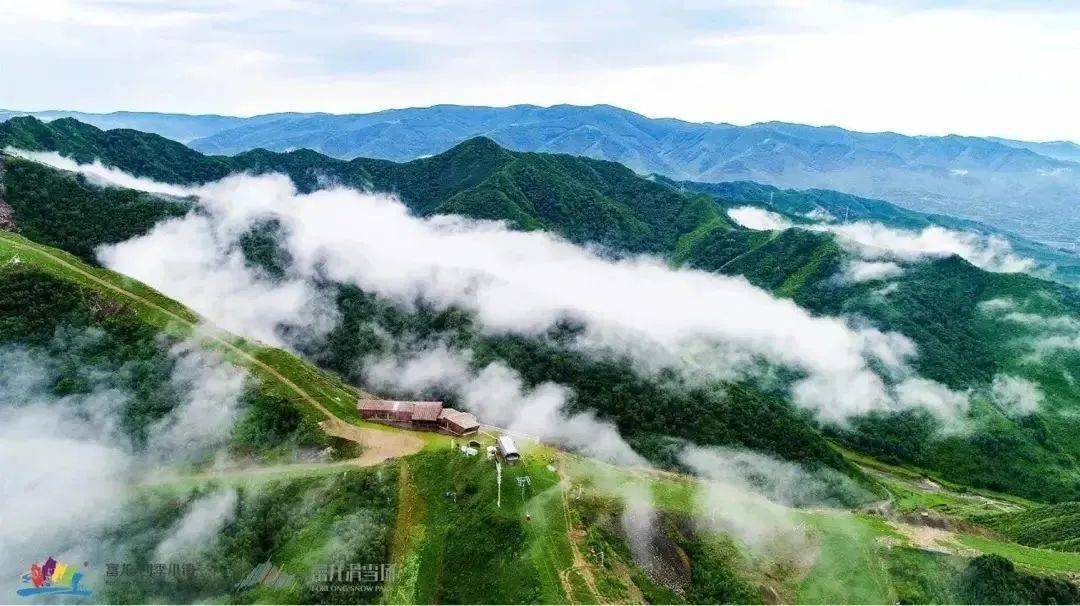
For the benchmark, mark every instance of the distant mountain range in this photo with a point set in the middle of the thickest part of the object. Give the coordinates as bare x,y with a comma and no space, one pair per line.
1032,189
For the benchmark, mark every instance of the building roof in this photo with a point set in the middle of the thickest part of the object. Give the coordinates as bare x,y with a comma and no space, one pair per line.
426,411
418,411
507,446
462,419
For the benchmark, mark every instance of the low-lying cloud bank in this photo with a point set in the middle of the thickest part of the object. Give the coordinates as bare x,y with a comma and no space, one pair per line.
874,241
66,466
99,174
871,271
707,325
751,497
1047,334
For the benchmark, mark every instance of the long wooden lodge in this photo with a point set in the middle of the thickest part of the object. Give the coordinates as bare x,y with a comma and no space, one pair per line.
423,416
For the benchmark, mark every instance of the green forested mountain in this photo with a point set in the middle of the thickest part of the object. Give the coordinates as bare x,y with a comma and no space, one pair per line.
584,200
139,153
935,303
801,205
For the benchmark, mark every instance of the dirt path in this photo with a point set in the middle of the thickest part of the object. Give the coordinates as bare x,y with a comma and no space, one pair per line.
378,445
580,563
247,473
932,539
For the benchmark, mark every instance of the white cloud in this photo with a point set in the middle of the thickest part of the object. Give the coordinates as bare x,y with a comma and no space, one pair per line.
205,269
66,466
518,282
99,174
706,324
994,305
750,497
874,241
203,421
1016,395
1048,334
869,271
820,214
752,217
203,520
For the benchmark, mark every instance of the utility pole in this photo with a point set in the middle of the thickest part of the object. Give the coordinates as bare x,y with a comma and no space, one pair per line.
498,482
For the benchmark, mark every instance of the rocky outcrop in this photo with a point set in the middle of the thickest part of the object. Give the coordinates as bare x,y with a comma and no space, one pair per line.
7,216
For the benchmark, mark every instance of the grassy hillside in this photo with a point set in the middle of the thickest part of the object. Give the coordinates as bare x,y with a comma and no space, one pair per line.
49,298
1052,526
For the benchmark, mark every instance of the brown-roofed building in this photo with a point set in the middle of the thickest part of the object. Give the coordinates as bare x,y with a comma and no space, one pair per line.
457,423
427,416
388,411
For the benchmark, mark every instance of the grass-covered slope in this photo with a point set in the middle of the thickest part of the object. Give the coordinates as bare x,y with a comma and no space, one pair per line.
101,326
1051,526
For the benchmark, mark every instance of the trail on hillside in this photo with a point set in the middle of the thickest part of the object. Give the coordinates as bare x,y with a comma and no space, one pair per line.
254,472
580,563
378,445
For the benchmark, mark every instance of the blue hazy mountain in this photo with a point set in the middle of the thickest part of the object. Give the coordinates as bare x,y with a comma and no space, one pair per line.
1031,189
178,127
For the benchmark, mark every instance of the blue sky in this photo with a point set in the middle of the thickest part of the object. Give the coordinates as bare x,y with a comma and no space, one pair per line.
922,66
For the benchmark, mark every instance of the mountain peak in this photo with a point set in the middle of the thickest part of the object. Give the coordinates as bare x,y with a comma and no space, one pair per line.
478,143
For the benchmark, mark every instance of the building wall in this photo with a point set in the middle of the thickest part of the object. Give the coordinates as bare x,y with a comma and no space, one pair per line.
405,421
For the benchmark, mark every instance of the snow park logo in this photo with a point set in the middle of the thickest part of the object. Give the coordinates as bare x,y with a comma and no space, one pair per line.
52,579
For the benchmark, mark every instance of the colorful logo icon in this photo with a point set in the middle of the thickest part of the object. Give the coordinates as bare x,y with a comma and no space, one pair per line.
52,578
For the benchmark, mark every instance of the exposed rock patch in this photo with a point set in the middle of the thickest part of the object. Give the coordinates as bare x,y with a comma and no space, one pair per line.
7,216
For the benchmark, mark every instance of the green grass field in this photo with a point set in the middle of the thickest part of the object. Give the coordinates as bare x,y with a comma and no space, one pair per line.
1032,558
